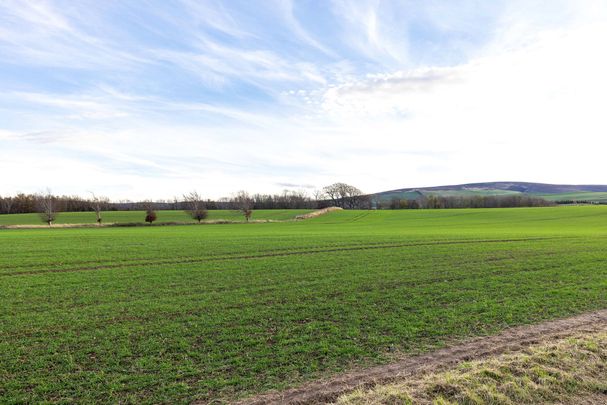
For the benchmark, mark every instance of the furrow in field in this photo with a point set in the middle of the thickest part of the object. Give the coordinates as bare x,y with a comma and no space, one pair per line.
177,259
443,278
131,263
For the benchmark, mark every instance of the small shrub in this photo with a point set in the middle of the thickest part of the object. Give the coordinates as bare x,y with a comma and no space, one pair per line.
150,216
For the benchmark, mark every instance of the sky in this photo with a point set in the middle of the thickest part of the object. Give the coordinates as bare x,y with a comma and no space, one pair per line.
152,99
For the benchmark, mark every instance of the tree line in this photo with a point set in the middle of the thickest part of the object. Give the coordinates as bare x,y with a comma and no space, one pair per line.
338,194
436,202
48,205
580,202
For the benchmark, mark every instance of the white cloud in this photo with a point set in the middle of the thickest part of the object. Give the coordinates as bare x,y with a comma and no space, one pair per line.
526,106
374,29
42,34
286,8
212,16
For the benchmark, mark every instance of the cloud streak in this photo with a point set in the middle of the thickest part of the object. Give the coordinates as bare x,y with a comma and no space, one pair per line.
151,101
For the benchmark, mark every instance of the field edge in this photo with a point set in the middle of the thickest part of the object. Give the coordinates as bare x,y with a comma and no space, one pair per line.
515,339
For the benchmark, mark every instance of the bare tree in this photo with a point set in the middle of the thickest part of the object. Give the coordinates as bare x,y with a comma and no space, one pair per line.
7,204
47,207
319,195
343,195
175,204
195,206
98,204
244,203
150,212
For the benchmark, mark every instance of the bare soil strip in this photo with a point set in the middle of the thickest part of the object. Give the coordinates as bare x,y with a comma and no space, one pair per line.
143,224
318,213
509,340
269,254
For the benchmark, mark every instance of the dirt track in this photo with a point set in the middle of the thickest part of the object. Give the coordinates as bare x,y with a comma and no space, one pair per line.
318,213
511,339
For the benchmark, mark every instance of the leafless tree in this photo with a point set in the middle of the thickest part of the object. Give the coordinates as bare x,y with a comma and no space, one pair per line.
195,206
343,195
150,212
319,195
175,204
98,204
47,206
244,203
7,204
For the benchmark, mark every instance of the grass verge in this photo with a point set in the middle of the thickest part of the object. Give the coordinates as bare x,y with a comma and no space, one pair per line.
569,370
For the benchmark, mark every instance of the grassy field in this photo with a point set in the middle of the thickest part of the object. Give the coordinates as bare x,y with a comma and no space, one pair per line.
581,196
470,192
139,217
182,313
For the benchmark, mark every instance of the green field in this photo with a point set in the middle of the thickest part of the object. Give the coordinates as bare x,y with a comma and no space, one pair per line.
468,192
472,192
478,192
139,217
580,196
181,313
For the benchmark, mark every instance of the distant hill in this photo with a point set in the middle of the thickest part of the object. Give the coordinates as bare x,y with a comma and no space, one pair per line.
555,192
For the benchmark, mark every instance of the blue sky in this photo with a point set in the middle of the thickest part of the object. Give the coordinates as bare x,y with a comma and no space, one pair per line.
151,99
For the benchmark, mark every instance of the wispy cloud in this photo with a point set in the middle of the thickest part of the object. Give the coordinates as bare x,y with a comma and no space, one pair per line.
213,15
38,33
148,100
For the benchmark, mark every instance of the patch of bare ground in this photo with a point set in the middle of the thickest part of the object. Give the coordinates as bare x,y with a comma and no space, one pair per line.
561,361
55,226
318,213
140,224
592,399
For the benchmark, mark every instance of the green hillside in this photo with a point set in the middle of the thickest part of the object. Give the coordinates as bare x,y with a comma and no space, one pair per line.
550,192
577,196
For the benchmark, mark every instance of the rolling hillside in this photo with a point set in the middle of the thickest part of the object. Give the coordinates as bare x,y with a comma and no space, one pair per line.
553,192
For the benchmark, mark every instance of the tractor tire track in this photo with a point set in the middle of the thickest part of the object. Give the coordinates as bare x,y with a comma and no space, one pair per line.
270,254
511,339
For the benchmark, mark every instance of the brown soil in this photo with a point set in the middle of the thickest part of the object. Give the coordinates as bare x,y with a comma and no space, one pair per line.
595,399
139,224
509,340
318,213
